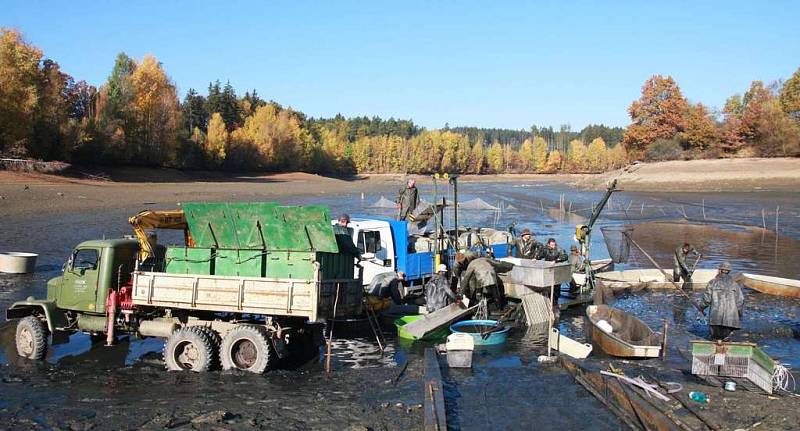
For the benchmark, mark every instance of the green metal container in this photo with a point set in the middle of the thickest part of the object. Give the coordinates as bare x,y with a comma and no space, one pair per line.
188,260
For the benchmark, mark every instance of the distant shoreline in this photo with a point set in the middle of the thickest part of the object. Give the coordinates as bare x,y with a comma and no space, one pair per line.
718,175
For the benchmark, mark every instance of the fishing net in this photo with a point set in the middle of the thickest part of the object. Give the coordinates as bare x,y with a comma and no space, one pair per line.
476,204
617,242
383,203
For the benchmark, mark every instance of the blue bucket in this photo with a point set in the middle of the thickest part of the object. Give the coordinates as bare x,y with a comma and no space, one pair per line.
475,327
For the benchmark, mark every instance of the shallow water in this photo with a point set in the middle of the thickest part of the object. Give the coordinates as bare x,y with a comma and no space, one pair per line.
499,390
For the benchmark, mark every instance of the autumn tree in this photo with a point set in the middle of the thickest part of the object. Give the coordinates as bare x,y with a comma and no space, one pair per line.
526,156
596,155
659,113
539,154
790,96
157,111
554,162
577,157
700,129
19,76
494,158
477,160
216,140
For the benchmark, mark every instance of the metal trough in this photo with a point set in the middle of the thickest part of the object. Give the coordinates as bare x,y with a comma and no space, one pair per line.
14,262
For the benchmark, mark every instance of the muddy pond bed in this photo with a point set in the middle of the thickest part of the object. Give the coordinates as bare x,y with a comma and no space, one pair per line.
86,386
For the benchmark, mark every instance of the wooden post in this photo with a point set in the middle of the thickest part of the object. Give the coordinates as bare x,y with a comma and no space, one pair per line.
434,415
329,359
664,342
777,211
763,219
704,209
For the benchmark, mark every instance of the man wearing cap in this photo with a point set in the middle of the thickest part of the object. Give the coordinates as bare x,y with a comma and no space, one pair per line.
724,295
551,252
526,245
680,265
575,259
407,200
437,290
387,285
344,237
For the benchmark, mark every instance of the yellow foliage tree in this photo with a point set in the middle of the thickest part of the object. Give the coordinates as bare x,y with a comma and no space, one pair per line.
526,157
494,158
577,156
596,155
19,67
539,154
217,139
477,159
617,157
554,161
157,109
274,136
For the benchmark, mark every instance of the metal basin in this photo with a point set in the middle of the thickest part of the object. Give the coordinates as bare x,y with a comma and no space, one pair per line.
14,262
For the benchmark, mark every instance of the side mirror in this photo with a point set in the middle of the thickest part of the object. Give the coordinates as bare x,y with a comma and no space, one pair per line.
368,256
387,263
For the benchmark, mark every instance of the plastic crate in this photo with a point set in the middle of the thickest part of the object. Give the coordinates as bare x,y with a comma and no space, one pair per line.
737,360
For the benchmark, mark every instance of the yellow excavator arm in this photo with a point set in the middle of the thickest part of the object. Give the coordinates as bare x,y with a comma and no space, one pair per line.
172,219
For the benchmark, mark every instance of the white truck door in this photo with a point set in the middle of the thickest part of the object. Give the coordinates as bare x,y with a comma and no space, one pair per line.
378,251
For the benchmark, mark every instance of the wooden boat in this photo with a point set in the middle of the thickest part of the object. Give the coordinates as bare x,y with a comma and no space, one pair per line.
650,278
772,285
629,336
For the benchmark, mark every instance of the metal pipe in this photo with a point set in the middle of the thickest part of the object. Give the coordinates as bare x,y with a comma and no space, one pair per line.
154,328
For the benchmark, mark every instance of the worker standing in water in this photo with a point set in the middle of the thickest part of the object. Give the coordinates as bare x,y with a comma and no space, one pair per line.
576,265
480,281
526,245
724,295
681,266
437,290
407,200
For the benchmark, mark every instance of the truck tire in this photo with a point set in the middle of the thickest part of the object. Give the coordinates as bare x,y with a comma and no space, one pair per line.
216,342
188,349
31,338
248,348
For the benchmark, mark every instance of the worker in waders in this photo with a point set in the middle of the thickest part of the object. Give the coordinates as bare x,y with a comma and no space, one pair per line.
526,245
681,266
407,200
387,285
552,252
437,290
724,295
576,265
480,281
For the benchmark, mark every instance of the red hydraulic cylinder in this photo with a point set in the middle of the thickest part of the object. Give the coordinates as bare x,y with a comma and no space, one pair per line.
111,311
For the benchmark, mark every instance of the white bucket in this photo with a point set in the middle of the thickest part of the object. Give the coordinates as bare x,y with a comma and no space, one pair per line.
14,262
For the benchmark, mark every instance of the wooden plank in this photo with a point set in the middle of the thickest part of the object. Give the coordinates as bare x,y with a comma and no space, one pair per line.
437,319
435,417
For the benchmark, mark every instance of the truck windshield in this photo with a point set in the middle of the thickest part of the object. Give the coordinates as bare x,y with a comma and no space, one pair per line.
369,241
85,259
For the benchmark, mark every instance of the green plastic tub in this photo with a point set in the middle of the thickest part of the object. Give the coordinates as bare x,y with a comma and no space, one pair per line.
439,334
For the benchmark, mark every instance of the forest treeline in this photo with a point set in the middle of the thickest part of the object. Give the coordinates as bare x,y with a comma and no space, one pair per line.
137,118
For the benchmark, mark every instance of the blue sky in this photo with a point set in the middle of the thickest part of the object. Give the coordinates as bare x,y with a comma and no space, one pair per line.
489,64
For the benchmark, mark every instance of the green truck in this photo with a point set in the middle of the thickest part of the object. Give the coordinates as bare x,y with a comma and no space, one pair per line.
252,283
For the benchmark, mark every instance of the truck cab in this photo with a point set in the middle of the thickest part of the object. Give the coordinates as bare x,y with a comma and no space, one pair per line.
91,270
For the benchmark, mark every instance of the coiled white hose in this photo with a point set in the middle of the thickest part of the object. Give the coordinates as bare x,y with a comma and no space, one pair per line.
781,378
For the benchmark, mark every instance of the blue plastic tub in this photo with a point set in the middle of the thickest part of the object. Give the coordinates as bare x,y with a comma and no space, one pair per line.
475,327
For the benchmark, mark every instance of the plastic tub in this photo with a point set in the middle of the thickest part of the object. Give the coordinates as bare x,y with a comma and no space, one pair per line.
14,262
475,327
403,321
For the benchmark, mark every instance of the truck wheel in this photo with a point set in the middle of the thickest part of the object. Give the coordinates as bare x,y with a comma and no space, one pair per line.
31,338
188,349
248,348
215,339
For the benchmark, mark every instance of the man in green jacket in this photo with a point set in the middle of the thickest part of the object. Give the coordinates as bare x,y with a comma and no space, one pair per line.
552,252
407,200
681,265
526,245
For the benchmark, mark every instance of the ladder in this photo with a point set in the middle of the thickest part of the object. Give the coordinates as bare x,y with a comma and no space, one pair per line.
375,326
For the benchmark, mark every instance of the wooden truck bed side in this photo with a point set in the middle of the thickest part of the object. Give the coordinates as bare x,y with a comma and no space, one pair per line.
267,296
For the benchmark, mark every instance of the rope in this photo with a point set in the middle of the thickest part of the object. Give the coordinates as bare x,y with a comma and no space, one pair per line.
782,376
